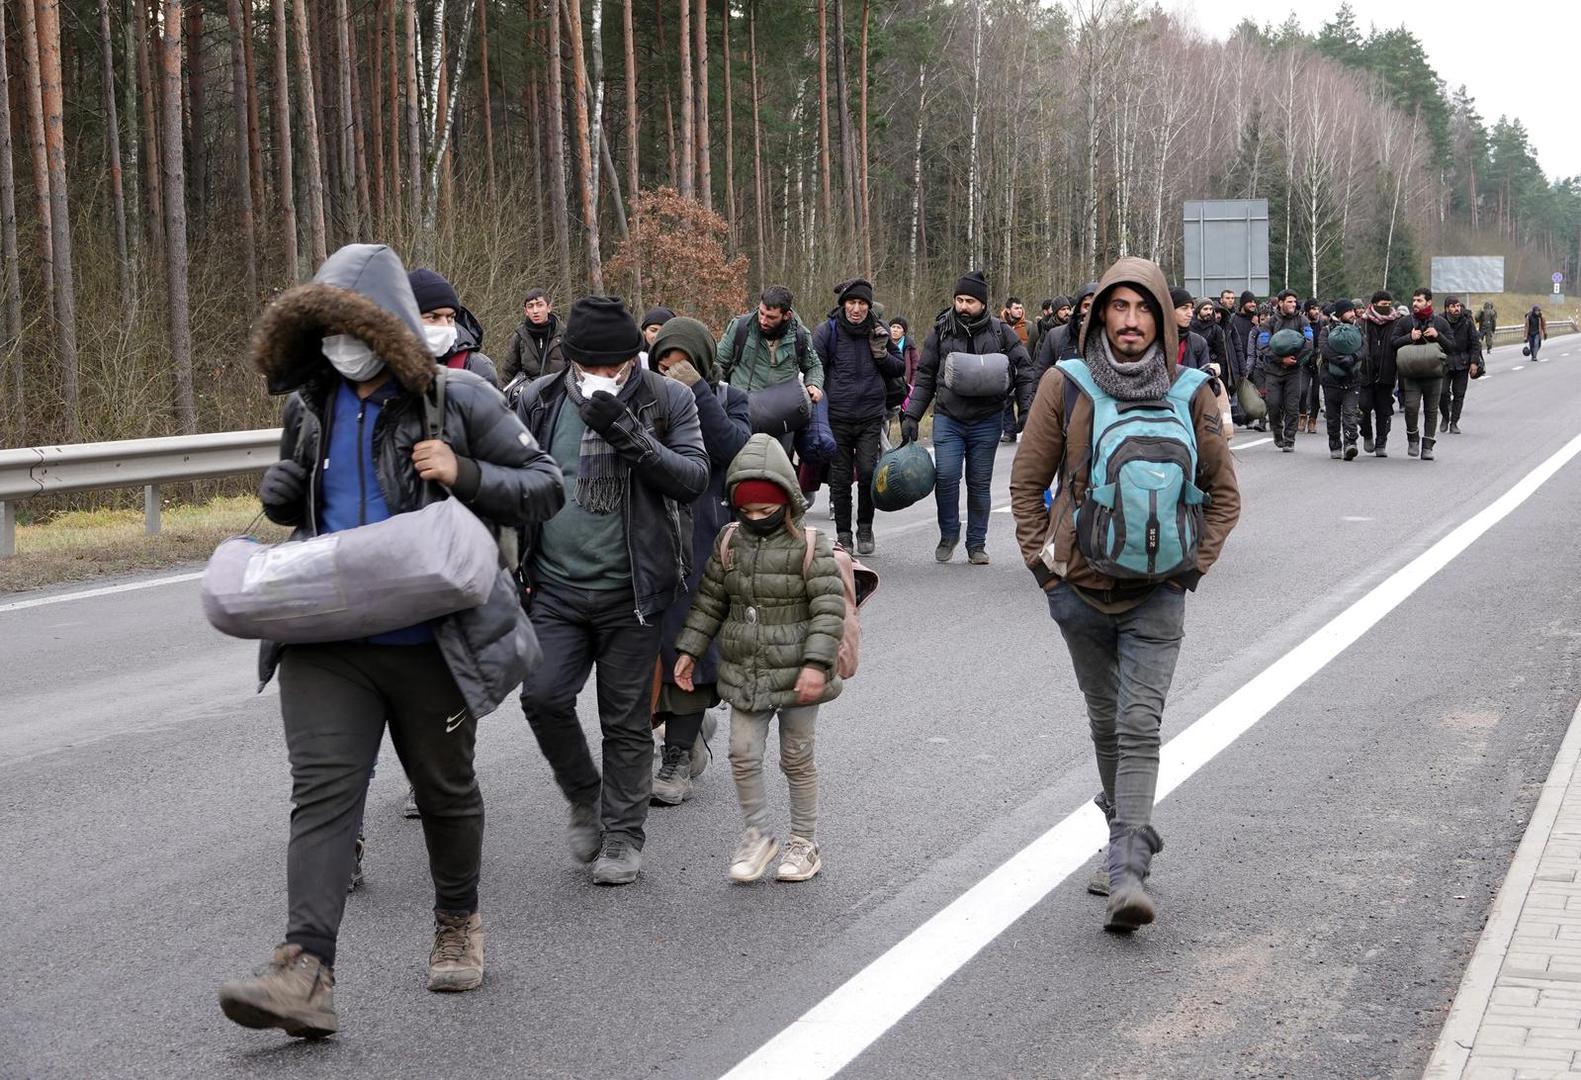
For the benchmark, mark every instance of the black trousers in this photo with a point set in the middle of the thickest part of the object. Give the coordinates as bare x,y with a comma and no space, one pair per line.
336,700
1310,404
1377,410
856,448
580,629
1453,399
1340,406
1283,393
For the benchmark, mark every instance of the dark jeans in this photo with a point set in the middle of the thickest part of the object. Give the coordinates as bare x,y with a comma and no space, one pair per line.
1534,342
1453,399
973,445
1283,393
577,629
1124,664
1377,400
1340,405
856,448
1420,400
335,700
1310,405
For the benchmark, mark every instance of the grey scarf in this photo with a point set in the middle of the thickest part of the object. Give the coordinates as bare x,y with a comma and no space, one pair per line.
1146,379
600,473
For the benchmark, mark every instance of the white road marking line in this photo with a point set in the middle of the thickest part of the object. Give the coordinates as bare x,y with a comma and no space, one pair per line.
105,590
831,1034
1249,445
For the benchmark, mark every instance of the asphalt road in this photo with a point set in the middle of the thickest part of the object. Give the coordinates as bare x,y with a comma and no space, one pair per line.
1324,880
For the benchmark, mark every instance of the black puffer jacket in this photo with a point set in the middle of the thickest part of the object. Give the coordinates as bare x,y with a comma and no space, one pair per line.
1059,344
1195,353
503,476
662,448
725,416
1462,346
1238,331
986,334
1377,354
852,380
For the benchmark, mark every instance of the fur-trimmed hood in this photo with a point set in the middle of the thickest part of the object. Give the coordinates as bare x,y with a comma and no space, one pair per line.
360,290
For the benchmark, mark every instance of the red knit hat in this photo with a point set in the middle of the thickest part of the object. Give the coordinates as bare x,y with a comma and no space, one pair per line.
758,491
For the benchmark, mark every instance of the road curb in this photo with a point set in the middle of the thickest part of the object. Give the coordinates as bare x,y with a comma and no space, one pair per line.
1456,1040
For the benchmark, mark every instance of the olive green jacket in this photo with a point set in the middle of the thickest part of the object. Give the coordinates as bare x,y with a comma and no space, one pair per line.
770,621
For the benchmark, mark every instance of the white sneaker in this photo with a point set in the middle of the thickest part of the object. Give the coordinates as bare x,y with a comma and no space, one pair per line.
753,854
800,861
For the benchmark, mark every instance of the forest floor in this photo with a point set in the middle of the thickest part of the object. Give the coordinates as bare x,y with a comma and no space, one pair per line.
81,545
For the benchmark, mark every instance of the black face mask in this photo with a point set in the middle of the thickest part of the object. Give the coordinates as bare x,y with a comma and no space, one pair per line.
766,525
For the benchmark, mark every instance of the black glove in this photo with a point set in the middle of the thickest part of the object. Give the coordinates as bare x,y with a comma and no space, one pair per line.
283,485
601,412
908,429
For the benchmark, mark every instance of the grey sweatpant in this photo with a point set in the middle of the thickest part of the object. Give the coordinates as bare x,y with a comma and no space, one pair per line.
336,700
1124,664
749,734
1419,398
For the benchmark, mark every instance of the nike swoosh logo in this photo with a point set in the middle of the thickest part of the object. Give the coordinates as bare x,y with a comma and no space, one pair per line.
453,722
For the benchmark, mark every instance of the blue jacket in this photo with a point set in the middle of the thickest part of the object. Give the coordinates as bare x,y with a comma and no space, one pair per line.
853,381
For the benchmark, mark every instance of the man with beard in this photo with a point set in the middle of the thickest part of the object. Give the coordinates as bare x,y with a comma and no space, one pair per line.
1463,356
1238,332
966,419
1281,375
768,347
1123,631
858,355
1014,315
1205,324
1377,373
1061,343
1419,394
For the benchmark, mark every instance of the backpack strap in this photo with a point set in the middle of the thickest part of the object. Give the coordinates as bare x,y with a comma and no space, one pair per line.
812,544
738,344
434,405
727,535
1186,386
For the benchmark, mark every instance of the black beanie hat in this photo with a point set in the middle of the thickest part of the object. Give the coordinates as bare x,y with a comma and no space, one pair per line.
657,317
432,291
1179,297
601,332
1451,300
1382,295
855,289
1247,297
1341,306
972,284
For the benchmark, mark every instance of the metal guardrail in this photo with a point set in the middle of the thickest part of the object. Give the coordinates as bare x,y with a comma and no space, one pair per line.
145,463
1518,331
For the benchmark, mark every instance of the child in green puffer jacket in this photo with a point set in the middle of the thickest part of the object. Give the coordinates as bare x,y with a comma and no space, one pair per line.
779,620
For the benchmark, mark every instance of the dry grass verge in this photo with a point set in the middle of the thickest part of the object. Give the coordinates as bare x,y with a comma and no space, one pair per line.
86,544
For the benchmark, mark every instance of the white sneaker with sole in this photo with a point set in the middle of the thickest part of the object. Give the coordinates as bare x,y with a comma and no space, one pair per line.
753,855
800,860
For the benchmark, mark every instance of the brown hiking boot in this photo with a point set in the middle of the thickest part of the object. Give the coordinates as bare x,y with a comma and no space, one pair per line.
294,992
456,962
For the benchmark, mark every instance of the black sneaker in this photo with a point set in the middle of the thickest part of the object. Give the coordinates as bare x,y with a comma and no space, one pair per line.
977,556
1009,438
1350,451
945,551
1366,444
864,541
619,860
356,867
845,541
1454,427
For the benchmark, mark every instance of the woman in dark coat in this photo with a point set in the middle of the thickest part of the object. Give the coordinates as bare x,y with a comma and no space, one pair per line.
684,350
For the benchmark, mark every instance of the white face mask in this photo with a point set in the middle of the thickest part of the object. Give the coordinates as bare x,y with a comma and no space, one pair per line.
439,338
592,384
351,357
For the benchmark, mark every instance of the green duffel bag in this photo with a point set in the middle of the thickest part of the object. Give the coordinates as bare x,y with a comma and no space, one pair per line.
1420,361
1252,403
904,476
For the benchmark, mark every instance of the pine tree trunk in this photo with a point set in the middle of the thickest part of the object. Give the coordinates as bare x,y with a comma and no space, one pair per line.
843,101
864,205
255,169
133,149
392,75
633,172
381,209
286,185
760,212
112,138
176,223
414,128
60,215
559,209
584,149
730,133
318,243
196,106
688,114
705,172
244,189
826,185
153,181
359,140
488,109
343,141
35,123
10,254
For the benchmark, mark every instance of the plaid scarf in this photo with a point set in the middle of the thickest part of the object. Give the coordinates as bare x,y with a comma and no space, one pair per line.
600,474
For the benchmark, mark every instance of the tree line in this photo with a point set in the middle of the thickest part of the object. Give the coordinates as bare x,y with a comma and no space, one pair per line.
167,165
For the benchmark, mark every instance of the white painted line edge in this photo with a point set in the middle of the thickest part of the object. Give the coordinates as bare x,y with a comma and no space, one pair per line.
105,590
1459,1035
834,1032
1249,445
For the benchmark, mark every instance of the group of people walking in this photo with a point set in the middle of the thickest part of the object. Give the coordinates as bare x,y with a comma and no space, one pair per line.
651,498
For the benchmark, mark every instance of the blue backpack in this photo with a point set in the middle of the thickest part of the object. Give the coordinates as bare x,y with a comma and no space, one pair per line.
1138,508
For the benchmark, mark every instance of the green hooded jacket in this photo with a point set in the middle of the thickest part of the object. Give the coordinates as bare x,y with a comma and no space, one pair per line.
770,621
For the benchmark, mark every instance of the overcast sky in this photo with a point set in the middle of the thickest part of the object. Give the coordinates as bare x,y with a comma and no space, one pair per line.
1512,55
